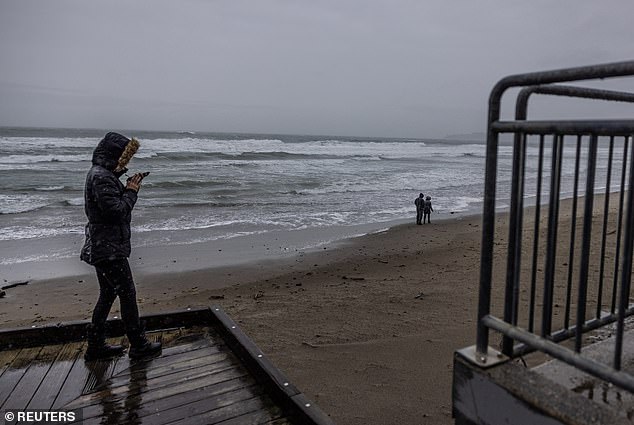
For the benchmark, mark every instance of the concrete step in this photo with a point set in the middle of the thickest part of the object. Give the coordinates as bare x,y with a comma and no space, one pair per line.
591,387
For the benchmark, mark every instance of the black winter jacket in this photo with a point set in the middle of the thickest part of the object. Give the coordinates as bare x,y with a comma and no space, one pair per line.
108,205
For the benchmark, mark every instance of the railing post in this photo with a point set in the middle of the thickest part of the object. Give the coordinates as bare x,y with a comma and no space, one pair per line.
606,214
514,251
573,232
551,249
538,200
486,259
488,224
619,226
626,274
585,243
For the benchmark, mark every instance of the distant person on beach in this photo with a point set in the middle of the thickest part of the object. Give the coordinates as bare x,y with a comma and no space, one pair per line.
419,207
427,209
108,206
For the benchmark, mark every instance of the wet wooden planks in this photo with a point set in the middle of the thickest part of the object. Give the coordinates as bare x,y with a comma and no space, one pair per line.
197,379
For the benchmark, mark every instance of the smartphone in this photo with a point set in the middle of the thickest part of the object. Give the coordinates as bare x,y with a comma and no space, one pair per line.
143,175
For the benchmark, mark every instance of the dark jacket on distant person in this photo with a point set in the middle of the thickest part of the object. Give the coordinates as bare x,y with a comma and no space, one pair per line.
419,207
419,202
108,204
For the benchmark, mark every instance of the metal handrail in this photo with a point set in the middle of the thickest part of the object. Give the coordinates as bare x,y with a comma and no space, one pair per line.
542,83
513,268
587,127
617,69
521,104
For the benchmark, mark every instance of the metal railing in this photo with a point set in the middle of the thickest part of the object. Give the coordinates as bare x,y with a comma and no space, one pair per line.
568,277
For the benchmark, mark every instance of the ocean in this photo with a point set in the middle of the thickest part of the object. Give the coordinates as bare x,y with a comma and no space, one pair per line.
210,186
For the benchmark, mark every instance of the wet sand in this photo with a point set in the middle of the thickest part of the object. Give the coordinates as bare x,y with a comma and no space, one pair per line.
366,328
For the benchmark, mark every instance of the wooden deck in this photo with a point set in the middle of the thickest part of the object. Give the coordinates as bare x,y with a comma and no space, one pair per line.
198,379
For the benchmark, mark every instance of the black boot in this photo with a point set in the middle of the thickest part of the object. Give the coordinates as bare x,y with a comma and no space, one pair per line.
97,347
140,347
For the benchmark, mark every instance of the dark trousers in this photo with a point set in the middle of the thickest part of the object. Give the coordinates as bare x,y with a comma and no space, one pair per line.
419,215
427,216
115,279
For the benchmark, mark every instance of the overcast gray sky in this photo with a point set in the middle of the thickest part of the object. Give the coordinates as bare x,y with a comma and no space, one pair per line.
402,68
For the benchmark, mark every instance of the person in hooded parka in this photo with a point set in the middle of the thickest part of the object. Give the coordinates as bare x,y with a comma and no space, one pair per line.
108,206
427,210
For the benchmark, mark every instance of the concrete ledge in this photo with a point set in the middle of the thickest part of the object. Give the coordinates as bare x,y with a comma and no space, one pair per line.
511,394
598,390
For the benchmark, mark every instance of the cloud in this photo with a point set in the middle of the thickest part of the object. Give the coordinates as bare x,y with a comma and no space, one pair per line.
381,68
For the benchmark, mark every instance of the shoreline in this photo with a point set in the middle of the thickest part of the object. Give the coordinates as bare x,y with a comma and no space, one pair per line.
176,257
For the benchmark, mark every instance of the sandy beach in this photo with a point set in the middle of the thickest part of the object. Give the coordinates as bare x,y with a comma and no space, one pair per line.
366,328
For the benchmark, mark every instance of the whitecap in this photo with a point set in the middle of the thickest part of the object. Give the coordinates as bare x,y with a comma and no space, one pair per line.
16,204
49,188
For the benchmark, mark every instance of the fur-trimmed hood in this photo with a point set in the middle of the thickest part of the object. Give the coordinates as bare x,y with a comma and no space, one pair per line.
114,152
